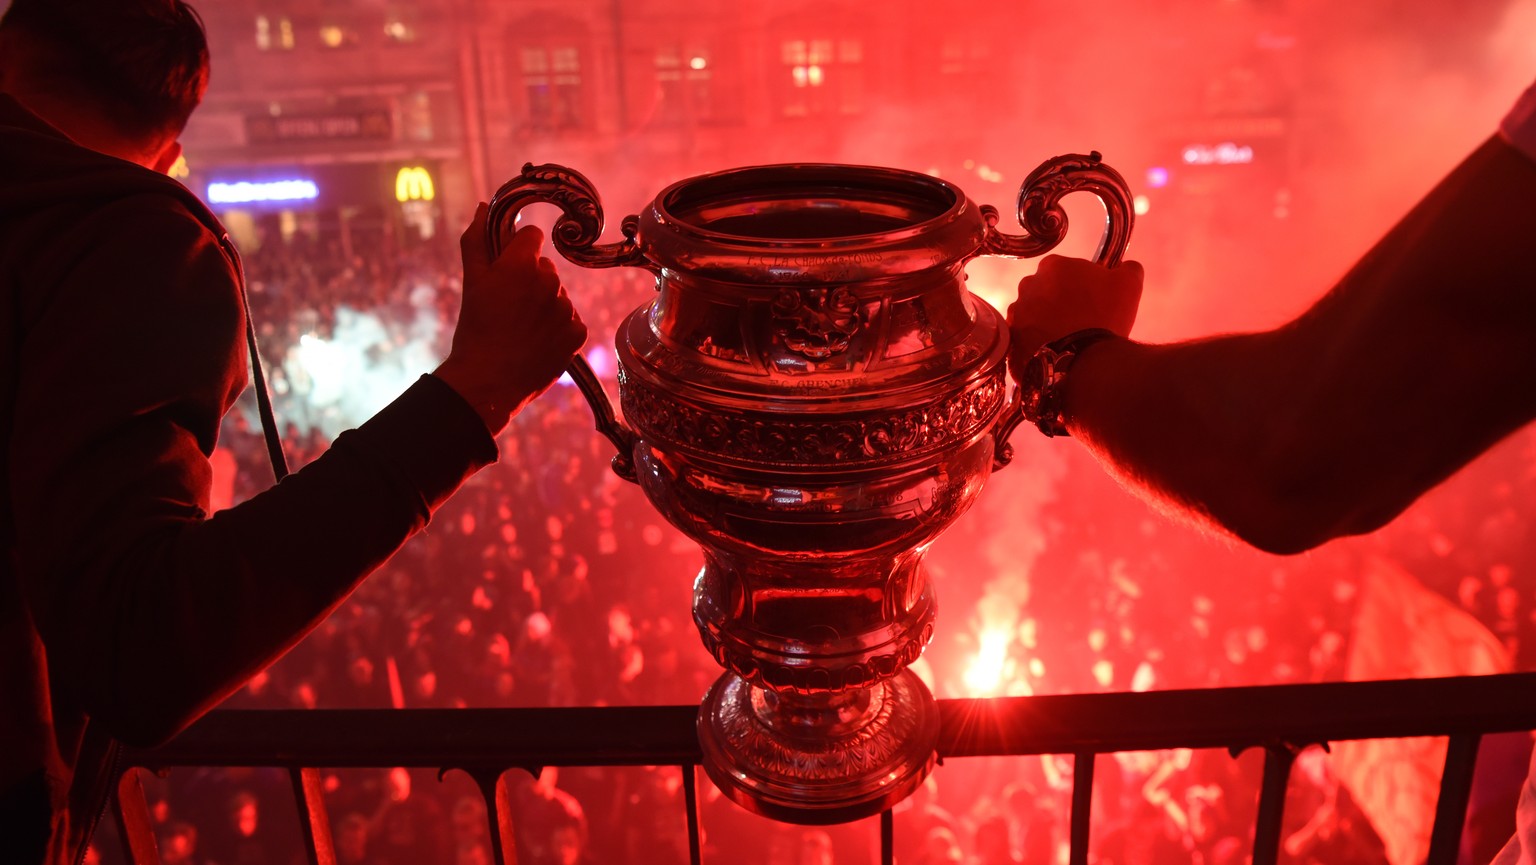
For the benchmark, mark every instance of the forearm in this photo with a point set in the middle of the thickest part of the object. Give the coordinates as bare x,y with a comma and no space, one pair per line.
1201,429
1418,360
252,581
150,610
170,614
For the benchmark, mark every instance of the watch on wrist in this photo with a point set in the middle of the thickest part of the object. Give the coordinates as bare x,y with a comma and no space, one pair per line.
1041,381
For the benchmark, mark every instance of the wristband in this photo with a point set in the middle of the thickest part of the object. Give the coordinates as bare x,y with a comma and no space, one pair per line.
1519,126
1043,376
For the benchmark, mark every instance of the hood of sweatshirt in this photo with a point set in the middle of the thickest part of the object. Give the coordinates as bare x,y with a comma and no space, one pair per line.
41,167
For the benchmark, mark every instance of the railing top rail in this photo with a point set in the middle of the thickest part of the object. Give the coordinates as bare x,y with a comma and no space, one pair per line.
664,735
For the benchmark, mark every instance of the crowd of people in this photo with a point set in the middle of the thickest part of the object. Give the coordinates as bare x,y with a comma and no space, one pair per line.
549,581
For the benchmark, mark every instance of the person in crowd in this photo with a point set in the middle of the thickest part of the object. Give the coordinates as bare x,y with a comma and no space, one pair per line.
916,816
126,610
547,811
992,843
1421,358
350,839
177,844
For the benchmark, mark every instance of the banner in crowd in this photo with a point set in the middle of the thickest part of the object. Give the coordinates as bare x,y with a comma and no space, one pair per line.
1405,631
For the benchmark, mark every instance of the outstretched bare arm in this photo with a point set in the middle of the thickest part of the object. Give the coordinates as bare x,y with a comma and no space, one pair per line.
1423,356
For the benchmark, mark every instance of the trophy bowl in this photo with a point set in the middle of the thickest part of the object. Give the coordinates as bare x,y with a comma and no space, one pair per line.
813,396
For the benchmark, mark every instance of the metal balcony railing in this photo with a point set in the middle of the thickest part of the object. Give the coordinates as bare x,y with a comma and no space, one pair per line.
485,743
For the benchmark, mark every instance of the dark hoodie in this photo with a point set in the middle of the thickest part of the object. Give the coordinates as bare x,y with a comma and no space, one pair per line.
126,610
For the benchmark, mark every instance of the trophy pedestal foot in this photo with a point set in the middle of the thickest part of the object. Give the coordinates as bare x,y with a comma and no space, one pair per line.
817,759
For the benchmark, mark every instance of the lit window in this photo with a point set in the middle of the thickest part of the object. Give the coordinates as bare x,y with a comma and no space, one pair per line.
683,88
397,30
825,76
402,18
263,33
285,33
535,61
552,85
565,62
337,35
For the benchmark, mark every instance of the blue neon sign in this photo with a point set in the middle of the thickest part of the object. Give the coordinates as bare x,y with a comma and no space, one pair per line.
245,192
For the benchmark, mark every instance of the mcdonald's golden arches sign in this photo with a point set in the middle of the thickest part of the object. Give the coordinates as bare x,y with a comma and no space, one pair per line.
414,183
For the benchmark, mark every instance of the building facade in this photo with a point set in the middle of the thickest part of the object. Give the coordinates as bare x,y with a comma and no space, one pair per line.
396,116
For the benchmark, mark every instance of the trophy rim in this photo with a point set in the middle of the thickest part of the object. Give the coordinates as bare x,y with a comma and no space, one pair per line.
829,181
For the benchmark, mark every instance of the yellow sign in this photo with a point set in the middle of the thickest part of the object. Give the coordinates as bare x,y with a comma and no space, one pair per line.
413,183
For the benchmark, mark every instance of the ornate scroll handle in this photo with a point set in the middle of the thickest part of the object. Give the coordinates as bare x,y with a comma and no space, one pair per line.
575,236
581,223
1041,214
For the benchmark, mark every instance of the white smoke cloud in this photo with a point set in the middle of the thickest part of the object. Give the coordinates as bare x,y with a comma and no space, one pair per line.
338,381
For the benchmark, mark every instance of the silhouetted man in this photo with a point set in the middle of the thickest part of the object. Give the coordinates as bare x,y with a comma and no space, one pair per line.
1421,358
125,609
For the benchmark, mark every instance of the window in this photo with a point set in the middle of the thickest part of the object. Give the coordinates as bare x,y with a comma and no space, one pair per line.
822,76
552,86
270,34
396,30
338,34
684,79
964,57
401,21
416,116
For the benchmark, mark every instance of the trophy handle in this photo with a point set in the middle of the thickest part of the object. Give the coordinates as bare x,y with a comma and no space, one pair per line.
1041,214
575,236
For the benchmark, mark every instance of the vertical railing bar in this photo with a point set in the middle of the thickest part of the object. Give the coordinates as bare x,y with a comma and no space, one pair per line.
315,826
1266,830
134,826
887,837
691,803
498,813
1082,806
1455,791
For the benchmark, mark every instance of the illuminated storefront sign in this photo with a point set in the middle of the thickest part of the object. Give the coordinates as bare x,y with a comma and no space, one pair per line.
1225,153
246,192
414,183
374,125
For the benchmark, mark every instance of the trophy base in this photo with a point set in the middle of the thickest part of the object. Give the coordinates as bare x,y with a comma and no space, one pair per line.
819,759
